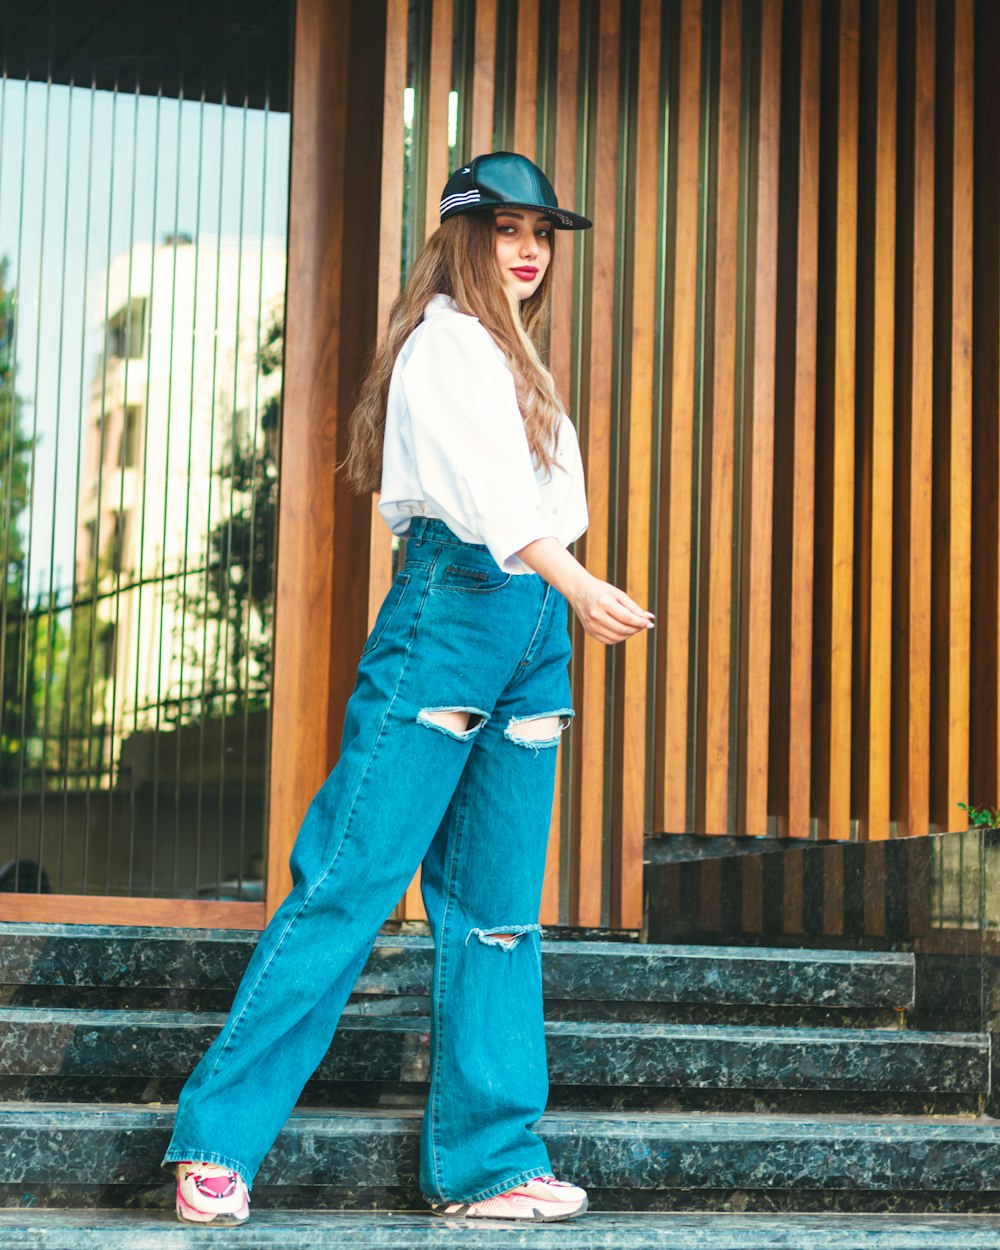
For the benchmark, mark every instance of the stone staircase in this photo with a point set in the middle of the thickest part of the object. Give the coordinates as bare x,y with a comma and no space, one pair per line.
705,1095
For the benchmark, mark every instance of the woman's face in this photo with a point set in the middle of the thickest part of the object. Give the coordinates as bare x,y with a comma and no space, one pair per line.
523,249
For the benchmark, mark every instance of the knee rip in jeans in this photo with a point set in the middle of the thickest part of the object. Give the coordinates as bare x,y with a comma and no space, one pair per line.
506,937
536,732
461,723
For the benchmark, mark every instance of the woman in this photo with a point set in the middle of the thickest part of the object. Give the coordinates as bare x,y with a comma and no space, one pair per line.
447,757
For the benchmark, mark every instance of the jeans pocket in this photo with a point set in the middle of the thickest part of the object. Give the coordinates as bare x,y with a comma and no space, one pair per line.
471,577
386,612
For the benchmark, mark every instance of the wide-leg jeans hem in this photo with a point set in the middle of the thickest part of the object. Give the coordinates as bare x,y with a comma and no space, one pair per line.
174,1156
494,1191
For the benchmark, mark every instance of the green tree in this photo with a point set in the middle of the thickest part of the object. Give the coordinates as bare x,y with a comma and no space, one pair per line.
15,454
241,556
51,663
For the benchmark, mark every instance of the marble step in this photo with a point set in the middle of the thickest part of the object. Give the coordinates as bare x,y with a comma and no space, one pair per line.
84,1155
105,959
387,1230
42,1042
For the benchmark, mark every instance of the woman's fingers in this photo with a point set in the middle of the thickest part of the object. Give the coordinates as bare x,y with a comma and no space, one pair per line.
633,606
610,615
625,611
629,613
608,629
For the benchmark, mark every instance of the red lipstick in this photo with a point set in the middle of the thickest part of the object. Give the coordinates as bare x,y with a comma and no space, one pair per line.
527,273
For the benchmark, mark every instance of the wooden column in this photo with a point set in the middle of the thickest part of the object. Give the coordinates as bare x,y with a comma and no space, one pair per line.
323,531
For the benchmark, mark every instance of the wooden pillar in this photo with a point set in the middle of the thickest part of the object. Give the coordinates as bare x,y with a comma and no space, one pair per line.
330,323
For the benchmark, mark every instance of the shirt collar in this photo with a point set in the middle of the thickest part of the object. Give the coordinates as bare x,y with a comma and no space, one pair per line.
439,303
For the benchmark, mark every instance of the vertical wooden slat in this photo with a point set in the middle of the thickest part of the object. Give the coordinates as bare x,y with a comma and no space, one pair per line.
437,171
561,354
912,607
564,176
337,97
984,783
628,849
712,805
673,633
590,742
390,253
797,817
953,422
835,817
483,75
758,499
438,86
878,318
526,94
389,264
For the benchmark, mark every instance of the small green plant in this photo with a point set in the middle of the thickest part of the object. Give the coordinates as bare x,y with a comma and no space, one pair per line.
985,817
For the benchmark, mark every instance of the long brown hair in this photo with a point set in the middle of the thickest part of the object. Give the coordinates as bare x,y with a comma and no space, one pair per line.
459,259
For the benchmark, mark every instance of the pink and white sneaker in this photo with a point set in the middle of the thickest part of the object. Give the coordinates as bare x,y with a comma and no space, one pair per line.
209,1194
541,1201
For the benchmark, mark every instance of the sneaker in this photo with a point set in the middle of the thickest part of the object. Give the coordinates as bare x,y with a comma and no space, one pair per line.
541,1200
209,1194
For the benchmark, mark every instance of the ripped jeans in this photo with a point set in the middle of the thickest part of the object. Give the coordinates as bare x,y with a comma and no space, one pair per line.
472,806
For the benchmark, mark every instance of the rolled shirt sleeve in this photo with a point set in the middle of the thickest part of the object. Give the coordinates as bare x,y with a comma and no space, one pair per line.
468,441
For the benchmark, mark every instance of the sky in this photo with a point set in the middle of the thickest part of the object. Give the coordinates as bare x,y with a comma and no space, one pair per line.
85,175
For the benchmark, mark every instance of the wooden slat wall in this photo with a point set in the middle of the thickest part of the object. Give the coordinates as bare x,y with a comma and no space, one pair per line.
779,346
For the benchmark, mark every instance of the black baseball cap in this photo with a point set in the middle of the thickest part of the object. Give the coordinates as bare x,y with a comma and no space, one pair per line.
505,179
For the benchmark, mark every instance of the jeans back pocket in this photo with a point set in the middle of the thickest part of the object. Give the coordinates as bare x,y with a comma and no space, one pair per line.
471,577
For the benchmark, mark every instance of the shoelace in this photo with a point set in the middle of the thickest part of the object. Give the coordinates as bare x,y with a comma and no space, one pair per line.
205,1184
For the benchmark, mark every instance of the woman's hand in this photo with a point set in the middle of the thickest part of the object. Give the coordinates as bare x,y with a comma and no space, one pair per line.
607,613
604,611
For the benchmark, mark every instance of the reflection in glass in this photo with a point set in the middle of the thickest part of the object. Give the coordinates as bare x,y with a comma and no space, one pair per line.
142,272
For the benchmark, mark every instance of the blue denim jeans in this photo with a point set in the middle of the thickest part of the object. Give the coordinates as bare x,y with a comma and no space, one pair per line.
455,633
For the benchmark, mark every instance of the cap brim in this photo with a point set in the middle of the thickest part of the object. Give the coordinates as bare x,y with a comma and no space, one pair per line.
561,218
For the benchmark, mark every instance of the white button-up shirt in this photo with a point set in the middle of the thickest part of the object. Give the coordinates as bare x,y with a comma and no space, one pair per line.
455,446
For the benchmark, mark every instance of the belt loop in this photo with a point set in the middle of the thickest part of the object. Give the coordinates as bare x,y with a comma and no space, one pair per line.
418,528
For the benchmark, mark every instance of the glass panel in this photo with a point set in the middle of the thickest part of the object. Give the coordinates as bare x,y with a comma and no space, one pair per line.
143,221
